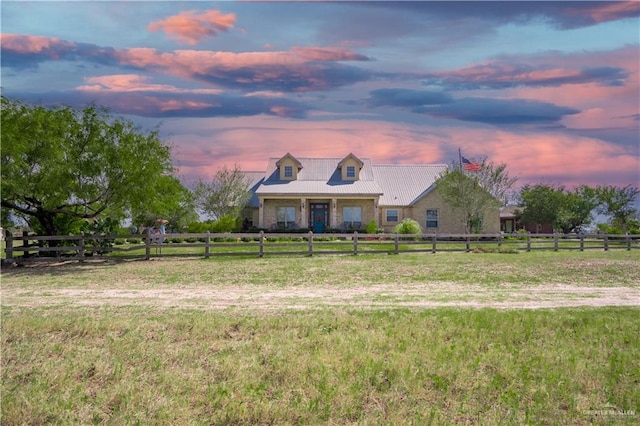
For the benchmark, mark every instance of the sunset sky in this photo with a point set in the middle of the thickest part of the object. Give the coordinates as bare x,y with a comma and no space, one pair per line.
552,89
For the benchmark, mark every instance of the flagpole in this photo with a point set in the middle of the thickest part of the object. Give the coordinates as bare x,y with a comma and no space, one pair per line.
460,159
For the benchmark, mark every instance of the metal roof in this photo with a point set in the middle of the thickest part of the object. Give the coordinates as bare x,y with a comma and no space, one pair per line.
396,184
404,184
318,176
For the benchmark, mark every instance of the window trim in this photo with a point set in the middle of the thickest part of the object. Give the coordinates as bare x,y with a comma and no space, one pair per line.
286,222
353,224
351,172
397,215
288,172
431,220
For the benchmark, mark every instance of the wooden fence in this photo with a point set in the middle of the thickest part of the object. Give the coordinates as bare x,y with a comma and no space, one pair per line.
24,247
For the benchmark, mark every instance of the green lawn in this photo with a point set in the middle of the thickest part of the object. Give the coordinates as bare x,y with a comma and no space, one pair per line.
79,363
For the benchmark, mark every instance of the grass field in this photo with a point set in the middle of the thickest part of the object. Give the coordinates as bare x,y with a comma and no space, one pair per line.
325,340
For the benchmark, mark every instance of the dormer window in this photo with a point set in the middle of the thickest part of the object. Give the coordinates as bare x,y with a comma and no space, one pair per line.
350,167
289,167
288,172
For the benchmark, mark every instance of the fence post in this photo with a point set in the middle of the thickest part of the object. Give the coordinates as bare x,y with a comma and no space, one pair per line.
310,236
433,243
261,254
581,241
147,243
8,240
25,243
355,242
207,245
396,248
528,241
555,241
627,238
468,243
606,242
81,249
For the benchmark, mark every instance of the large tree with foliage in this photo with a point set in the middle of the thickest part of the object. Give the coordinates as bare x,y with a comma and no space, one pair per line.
226,195
618,203
567,211
472,193
173,202
61,165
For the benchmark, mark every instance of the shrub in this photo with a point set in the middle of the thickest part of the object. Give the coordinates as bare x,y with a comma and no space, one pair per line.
371,227
408,226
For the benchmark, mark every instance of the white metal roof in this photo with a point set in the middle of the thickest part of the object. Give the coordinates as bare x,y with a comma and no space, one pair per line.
396,184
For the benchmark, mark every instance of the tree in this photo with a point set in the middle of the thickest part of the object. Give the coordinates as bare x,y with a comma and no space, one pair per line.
464,193
540,204
618,204
60,165
173,202
495,179
576,209
226,195
566,211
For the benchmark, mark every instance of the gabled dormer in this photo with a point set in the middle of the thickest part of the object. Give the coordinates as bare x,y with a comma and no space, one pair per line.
350,167
289,166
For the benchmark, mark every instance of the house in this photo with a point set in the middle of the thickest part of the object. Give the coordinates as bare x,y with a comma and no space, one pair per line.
510,222
342,194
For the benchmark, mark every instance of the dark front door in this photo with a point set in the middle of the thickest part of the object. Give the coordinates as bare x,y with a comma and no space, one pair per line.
319,217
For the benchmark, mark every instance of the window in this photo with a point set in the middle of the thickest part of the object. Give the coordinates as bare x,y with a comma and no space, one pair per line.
352,217
288,171
392,215
351,172
432,218
286,216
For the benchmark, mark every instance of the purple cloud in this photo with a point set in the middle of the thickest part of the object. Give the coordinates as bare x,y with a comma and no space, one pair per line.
501,75
498,111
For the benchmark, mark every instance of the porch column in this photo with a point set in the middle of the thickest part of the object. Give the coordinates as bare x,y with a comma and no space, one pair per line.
376,215
304,217
261,213
334,211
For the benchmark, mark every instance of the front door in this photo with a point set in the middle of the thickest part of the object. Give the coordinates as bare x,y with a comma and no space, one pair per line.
319,217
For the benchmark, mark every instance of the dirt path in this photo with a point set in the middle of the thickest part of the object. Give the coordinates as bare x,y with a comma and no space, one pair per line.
373,297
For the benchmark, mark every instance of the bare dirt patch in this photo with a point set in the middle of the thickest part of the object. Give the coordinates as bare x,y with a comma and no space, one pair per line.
371,297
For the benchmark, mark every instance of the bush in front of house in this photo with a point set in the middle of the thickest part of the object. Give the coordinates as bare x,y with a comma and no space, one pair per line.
408,226
372,227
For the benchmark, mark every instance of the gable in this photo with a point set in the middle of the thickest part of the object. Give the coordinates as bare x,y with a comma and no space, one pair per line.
350,167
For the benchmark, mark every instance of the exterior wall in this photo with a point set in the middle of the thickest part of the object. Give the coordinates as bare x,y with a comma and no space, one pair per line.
368,210
350,162
288,161
403,213
450,221
270,205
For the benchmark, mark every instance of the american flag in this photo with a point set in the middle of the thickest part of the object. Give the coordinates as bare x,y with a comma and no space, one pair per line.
470,166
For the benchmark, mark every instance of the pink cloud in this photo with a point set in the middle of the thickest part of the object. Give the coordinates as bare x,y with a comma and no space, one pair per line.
607,12
550,157
24,44
299,69
133,83
191,27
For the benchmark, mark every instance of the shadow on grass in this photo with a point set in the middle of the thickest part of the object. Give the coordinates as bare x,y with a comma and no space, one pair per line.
58,267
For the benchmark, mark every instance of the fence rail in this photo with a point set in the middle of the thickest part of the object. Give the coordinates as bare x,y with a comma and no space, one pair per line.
146,246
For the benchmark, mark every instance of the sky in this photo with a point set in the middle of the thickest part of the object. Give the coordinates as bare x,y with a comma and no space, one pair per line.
552,89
